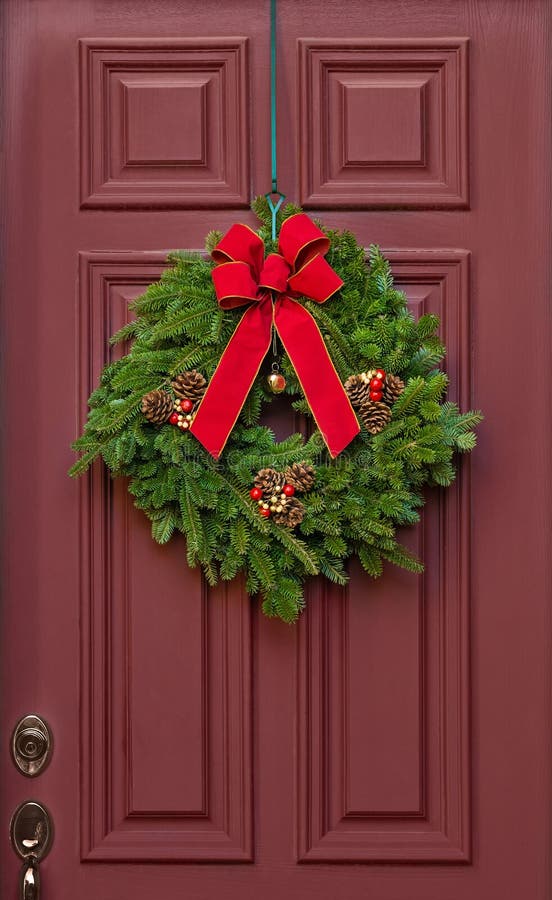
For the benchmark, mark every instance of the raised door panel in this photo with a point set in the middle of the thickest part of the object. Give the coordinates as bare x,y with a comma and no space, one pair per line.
164,123
383,123
166,714
383,693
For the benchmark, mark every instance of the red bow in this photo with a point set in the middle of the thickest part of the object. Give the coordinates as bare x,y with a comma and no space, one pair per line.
243,276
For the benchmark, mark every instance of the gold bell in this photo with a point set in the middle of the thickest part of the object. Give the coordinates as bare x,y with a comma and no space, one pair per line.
276,380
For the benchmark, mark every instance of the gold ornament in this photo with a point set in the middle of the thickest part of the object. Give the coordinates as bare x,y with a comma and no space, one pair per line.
276,382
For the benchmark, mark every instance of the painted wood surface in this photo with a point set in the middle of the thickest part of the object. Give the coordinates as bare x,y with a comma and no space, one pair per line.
396,743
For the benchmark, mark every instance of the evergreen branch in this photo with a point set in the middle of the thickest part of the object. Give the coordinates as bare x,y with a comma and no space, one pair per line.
163,525
126,333
298,548
284,600
84,462
179,322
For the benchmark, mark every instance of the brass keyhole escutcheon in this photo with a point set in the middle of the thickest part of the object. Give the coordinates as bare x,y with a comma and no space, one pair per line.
31,745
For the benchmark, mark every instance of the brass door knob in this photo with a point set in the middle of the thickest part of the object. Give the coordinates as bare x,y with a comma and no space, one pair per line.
31,835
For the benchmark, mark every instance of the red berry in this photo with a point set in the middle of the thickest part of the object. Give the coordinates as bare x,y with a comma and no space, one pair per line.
255,493
264,512
379,373
187,405
288,490
174,419
376,396
376,384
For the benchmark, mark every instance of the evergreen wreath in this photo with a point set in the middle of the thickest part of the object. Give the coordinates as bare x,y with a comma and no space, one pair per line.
351,505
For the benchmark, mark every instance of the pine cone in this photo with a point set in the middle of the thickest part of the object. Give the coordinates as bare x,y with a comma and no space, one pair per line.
269,481
291,514
357,388
157,406
392,389
190,385
300,475
375,415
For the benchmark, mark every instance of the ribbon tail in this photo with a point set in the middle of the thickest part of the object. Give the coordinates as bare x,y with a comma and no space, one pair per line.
233,378
315,370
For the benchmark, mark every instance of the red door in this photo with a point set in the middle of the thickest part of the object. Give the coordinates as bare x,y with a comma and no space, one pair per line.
396,743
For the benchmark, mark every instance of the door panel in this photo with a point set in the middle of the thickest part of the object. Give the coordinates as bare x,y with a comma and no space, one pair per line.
396,742
412,94
166,722
384,748
137,150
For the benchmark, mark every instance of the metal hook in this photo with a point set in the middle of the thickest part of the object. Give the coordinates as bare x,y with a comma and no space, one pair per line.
274,208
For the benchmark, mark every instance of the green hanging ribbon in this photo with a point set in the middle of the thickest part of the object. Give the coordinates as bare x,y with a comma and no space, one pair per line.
274,191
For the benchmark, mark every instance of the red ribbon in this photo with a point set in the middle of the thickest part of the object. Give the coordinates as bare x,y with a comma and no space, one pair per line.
243,276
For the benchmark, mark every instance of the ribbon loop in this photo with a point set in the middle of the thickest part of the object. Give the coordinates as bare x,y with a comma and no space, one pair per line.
241,244
241,277
234,284
316,279
300,239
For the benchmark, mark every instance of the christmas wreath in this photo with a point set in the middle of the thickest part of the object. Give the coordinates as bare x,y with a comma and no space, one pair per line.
180,414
